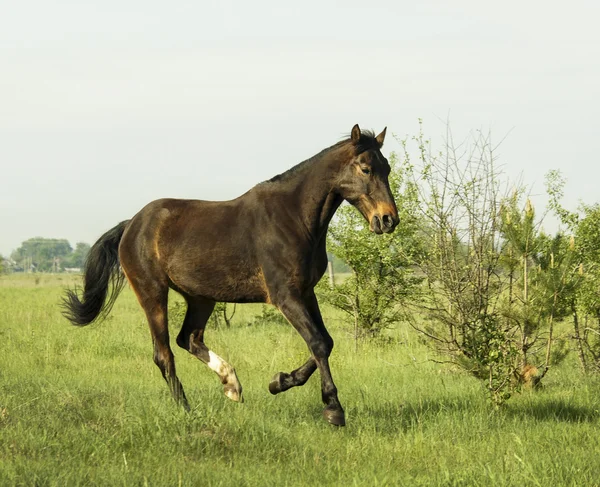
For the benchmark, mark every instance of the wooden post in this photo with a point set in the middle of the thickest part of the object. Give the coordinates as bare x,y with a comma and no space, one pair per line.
331,276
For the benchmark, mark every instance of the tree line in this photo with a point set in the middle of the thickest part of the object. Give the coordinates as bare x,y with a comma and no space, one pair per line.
46,255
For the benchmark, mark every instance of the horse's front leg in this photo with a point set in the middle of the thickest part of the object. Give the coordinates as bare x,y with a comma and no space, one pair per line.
304,315
282,381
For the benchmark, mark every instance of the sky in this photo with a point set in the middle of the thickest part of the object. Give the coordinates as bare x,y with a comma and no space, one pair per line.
106,106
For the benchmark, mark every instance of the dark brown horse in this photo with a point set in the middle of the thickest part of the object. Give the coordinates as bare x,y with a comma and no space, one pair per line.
267,246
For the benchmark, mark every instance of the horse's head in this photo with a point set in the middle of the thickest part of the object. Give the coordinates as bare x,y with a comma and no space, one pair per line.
363,181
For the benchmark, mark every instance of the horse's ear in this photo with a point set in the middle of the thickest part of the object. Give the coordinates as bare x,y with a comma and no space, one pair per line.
381,137
355,134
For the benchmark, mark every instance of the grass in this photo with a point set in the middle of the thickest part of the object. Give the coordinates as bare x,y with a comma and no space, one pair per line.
89,407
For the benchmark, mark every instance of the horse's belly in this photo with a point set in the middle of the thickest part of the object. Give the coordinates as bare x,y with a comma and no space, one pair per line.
225,284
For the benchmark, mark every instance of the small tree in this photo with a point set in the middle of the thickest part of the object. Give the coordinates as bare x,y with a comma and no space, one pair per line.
496,284
219,316
586,303
584,226
542,285
460,195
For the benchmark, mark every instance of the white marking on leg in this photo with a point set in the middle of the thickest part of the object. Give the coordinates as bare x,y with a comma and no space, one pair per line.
232,386
217,364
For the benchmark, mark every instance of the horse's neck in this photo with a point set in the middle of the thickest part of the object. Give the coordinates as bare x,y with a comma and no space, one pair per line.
318,199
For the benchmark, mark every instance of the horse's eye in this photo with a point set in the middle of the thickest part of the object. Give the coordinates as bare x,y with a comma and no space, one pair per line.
366,170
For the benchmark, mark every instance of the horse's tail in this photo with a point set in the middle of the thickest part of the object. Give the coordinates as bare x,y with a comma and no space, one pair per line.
101,269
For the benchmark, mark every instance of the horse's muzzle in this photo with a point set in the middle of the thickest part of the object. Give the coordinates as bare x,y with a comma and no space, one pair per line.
383,224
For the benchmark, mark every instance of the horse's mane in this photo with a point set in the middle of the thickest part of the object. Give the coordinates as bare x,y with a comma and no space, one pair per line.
366,142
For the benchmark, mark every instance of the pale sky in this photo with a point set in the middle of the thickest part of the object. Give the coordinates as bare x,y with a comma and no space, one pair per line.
107,105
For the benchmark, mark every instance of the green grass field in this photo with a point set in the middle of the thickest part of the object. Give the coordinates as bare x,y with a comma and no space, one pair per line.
89,407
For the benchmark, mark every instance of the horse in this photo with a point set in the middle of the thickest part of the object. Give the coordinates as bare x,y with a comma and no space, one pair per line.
266,246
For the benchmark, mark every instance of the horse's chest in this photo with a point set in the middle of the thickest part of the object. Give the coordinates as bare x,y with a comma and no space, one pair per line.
317,265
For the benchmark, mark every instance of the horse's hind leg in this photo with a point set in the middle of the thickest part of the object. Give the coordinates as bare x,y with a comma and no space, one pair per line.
163,355
191,338
153,299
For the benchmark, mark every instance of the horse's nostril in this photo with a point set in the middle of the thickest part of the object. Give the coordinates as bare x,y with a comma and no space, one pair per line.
388,221
376,224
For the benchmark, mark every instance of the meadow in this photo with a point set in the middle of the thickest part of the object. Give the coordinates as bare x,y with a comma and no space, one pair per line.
87,406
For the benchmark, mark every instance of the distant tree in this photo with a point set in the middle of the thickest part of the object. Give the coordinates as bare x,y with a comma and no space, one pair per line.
43,252
78,256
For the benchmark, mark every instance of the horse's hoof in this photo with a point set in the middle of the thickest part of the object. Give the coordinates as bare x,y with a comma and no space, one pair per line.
275,384
335,417
234,394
